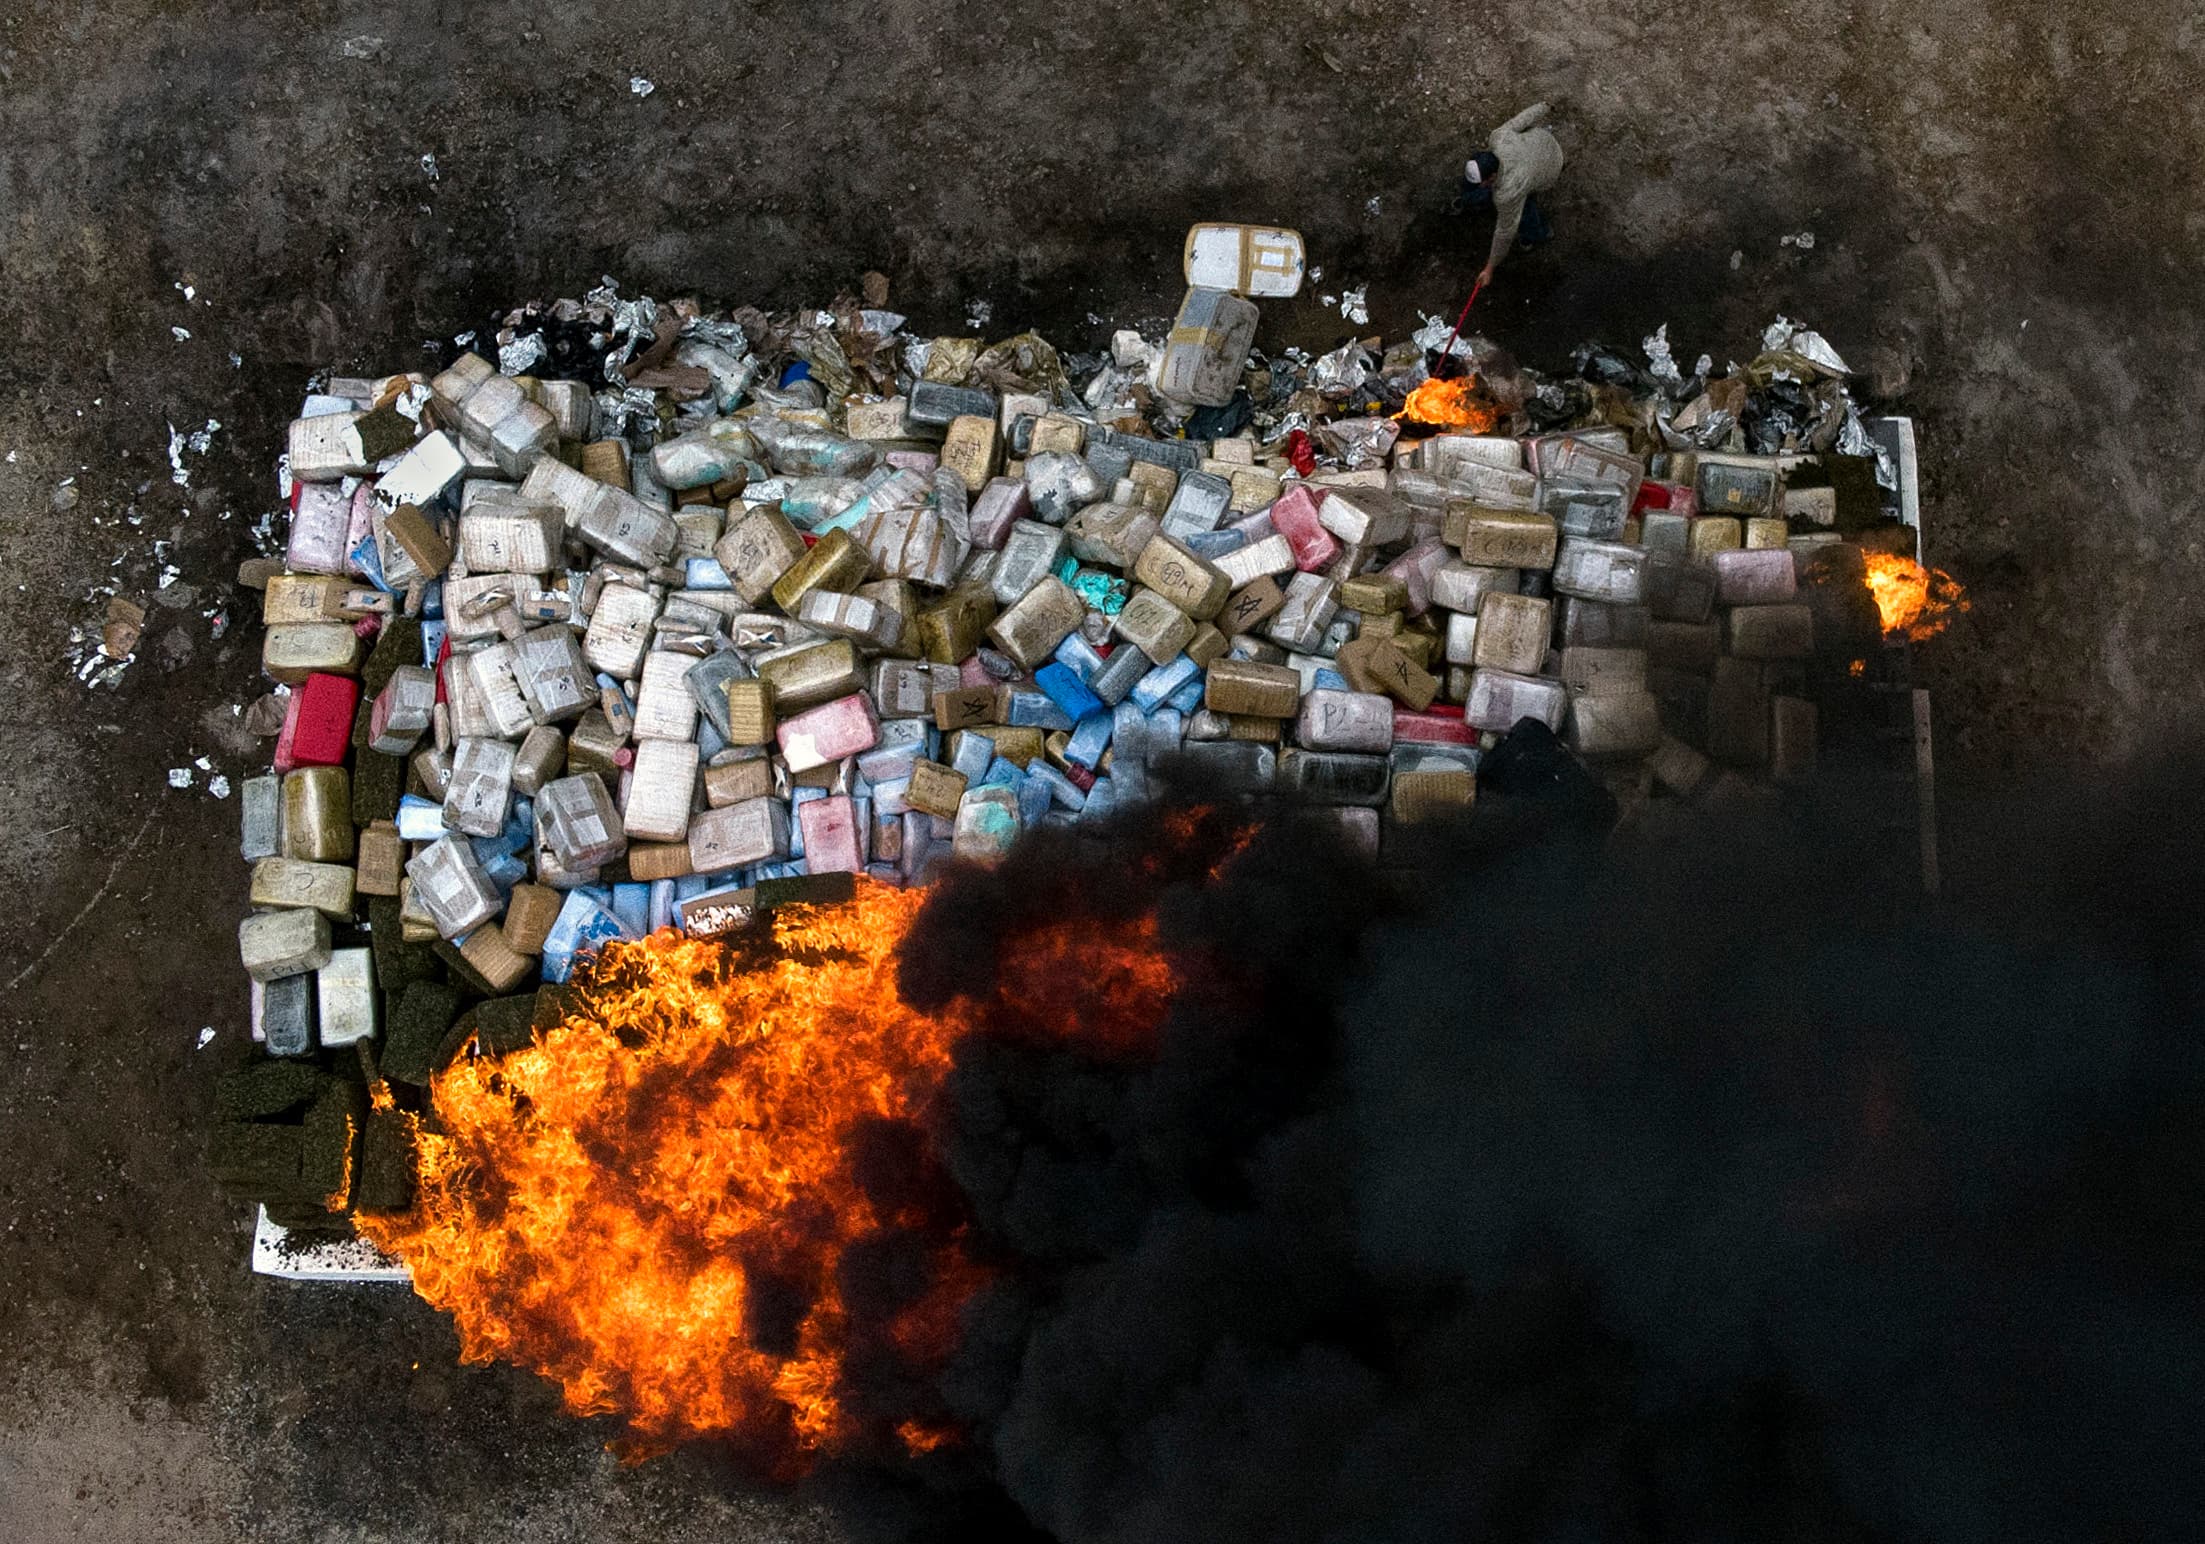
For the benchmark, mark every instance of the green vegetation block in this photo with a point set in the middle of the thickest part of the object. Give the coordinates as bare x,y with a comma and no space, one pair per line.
506,1023
806,890
255,1162
264,1088
377,781
399,643
416,1022
398,964
554,1001
386,1164
476,983
329,1145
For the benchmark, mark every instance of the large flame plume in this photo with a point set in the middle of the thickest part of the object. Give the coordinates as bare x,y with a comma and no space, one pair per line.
667,1203
1456,403
1912,600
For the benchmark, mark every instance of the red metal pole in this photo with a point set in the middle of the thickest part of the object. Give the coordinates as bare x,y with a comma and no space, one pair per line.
1448,353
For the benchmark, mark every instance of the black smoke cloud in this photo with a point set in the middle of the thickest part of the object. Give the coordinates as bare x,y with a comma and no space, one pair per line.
1696,1187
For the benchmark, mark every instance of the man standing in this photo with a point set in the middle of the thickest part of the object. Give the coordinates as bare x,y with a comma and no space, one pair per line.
1522,162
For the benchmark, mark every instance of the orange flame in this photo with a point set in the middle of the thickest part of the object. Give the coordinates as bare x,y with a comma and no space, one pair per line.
1453,404
658,1204
1911,599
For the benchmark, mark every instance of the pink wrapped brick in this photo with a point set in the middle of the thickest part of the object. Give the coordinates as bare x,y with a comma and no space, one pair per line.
831,837
971,672
921,461
1002,503
361,528
1415,567
1294,516
1755,576
829,732
320,517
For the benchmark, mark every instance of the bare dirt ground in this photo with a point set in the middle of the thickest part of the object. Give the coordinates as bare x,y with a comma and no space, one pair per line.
2006,224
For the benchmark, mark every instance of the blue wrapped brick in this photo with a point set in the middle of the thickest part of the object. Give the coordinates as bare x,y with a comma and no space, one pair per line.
890,797
419,819
1034,710
705,574
975,754
504,870
1100,799
1090,738
369,560
1154,688
1062,790
585,925
1067,690
632,905
1034,798
1079,656
1213,544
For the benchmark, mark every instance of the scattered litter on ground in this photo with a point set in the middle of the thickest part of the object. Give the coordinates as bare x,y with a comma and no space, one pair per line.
197,442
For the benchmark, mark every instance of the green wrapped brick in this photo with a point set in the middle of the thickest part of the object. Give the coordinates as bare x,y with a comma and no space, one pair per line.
329,1145
415,1025
461,969
806,890
399,643
256,1162
377,781
266,1088
554,1001
506,1023
386,1163
398,964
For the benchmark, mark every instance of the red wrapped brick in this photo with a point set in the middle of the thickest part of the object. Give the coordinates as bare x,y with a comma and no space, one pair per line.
317,723
1671,498
1442,724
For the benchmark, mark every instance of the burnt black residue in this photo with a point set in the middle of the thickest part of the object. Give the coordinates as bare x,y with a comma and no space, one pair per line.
1682,1193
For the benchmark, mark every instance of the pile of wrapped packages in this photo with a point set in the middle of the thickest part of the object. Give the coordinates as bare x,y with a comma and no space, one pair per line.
632,613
